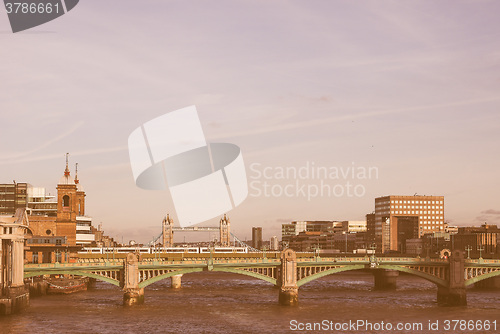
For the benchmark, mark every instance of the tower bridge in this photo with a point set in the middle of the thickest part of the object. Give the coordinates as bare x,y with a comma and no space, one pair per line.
168,229
287,270
224,229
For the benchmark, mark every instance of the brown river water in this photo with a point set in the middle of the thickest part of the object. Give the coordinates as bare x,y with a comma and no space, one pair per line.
230,303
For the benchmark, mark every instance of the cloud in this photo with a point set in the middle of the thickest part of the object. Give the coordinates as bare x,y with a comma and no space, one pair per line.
488,216
321,121
491,212
59,155
61,136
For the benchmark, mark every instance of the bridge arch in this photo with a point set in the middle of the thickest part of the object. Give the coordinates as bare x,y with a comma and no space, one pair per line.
482,277
248,273
428,277
155,279
431,278
73,272
158,278
328,272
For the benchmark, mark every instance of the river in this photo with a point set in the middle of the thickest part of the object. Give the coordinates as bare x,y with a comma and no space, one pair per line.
230,303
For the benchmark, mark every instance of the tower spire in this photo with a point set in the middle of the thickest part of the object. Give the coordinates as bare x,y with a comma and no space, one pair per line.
66,171
76,173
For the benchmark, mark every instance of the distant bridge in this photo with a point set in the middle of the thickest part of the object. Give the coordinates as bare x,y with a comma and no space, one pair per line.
287,270
166,237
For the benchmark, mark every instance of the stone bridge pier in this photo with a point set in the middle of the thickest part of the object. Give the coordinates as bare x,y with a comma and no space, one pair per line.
454,294
176,281
133,295
385,279
289,290
14,296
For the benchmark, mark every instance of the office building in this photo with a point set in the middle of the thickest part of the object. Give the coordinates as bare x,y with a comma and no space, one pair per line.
274,244
257,237
370,228
478,241
429,210
12,197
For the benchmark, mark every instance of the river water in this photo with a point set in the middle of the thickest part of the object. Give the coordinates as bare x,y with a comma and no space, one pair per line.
230,303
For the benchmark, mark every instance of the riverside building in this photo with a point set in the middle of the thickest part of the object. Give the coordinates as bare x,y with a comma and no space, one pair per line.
423,213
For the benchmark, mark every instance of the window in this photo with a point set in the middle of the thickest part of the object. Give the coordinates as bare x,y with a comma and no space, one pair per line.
65,201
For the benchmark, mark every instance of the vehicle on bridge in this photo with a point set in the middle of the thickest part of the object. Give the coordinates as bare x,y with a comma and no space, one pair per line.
155,250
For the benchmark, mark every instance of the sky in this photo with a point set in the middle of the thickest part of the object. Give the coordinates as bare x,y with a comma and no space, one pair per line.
406,89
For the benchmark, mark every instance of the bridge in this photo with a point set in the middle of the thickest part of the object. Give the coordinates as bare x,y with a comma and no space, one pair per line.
166,237
287,270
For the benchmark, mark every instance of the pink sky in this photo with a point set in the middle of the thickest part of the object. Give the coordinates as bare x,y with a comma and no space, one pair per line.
410,88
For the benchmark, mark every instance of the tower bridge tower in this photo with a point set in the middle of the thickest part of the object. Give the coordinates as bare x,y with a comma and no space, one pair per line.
168,231
224,226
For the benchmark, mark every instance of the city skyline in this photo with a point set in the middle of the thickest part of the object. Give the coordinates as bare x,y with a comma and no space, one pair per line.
388,85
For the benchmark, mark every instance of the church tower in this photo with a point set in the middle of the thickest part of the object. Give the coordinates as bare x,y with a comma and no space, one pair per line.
67,206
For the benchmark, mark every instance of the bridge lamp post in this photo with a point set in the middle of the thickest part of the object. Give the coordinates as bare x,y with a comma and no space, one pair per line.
480,248
468,249
373,247
427,248
316,252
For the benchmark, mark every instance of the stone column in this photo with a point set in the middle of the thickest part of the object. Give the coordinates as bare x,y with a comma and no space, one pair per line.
176,281
133,295
40,257
16,292
289,291
17,263
454,294
385,279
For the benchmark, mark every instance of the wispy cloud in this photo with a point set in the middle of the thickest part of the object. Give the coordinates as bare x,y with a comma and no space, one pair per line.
58,155
491,212
488,216
16,157
321,121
